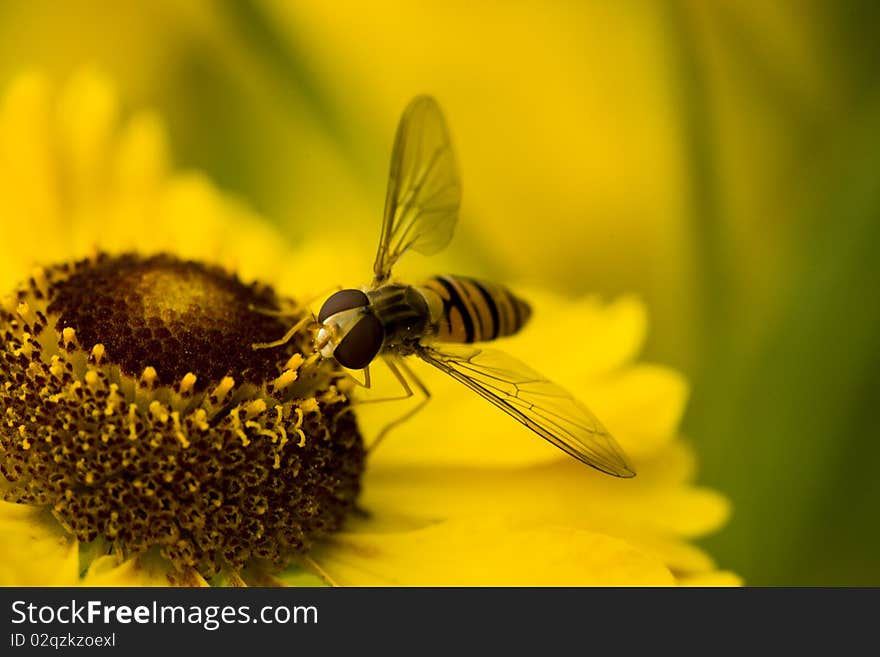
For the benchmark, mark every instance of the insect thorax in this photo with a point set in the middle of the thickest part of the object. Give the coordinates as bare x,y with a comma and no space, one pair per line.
404,313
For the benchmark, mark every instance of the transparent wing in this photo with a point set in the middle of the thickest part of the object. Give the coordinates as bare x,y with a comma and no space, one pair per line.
541,405
424,188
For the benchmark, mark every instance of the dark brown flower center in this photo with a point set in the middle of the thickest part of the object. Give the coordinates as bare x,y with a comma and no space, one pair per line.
175,316
134,407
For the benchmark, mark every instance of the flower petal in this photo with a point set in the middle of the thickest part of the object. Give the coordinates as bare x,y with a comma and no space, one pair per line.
141,157
29,200
680,557
590,337
107,571
142,570
88,119
488,552
714,578
35,550
641,405
650,504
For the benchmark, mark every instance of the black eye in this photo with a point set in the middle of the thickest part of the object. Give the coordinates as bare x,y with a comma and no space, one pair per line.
360,346
342,300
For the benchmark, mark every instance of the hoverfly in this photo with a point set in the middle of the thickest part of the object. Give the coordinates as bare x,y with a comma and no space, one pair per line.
393,320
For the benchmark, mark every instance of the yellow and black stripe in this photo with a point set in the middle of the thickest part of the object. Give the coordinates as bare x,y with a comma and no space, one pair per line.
476,311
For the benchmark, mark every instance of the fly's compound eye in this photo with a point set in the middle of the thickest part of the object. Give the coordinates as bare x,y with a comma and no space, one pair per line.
361,344
342,300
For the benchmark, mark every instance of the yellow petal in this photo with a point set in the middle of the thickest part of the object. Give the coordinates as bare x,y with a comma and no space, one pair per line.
313,269
107,571
676,463
87,118
679,556
29,185
141,158
576,340
187,214
35,551
255,249
641,406
715,578
490,552
297,577
562,492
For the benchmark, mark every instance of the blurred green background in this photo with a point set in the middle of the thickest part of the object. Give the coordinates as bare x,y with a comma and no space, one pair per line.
718,158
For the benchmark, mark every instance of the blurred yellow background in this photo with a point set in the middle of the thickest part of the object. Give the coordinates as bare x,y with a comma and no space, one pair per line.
716,158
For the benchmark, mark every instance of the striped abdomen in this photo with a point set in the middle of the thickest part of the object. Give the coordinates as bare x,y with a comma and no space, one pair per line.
475,311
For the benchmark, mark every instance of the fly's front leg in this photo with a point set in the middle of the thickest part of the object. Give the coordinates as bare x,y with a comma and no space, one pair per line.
367,382
283,340
301,324
272,312
401,370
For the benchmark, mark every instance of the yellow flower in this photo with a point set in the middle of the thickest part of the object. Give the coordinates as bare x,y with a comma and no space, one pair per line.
458,495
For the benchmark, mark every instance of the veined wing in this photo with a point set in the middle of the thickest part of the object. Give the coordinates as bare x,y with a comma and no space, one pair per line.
424,188
544,407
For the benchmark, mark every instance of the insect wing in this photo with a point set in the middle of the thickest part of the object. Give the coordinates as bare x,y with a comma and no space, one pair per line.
541,405
424,188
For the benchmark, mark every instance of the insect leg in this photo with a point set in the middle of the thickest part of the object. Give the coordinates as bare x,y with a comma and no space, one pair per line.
401,370
282,313
305,321
271,312
393,367
367,382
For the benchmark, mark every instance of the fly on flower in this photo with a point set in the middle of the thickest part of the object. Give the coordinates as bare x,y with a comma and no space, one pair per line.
392,320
